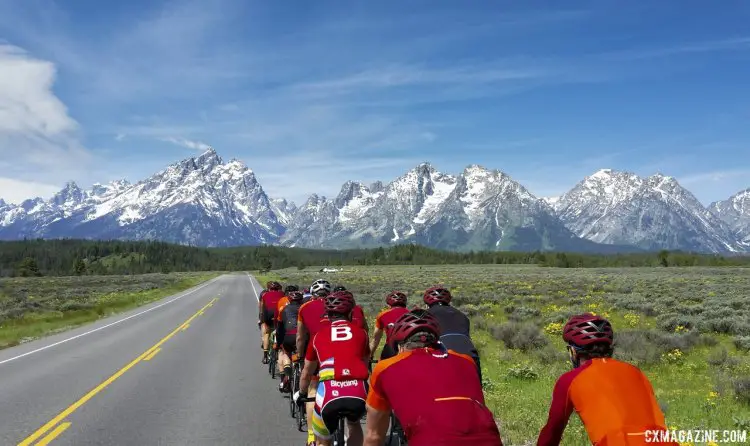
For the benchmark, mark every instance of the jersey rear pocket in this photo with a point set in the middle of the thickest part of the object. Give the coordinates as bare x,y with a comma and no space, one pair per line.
462,416
345,369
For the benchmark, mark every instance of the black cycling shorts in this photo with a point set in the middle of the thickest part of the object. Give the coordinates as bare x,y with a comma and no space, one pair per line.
354,409
268,317
290,344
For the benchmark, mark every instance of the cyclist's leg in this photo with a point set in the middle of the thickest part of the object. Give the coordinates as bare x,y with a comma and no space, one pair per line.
266,331
358,409
321,422
312,391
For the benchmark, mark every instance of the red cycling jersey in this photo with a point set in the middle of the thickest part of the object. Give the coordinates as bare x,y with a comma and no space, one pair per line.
387,318
437,397
271,300
312,315
343,351
614,400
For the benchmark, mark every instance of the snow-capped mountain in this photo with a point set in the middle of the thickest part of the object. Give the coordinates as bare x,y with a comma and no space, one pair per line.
208,202
651,213
478,209
200,201
735,212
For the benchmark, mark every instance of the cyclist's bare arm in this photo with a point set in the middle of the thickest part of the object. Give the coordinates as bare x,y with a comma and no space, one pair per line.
375,340
377,425
307,374
301,337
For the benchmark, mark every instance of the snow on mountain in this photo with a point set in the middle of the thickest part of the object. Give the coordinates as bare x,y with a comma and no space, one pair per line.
200,200
205,201
735,212
652,213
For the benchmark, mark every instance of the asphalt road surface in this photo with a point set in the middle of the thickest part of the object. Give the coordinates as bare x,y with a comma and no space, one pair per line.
185,370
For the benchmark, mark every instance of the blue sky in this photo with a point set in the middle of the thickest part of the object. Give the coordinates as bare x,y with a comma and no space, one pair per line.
311,94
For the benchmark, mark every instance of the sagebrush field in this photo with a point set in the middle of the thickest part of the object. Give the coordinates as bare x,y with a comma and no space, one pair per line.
35,306
687,328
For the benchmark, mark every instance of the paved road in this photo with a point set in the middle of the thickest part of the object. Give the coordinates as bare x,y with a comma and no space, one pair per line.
149,377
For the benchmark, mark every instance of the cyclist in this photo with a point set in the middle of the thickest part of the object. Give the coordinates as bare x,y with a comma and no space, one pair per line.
311,318
306,295
396,301
434,393
454,324
614,399
284,300
341,350
339,288
266,313
286,336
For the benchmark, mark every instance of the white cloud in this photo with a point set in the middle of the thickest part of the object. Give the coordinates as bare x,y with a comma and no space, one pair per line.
38,138
16,191
195,145
120,137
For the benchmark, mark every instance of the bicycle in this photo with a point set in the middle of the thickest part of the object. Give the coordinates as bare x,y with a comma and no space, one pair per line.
396,436
339,438
273,356
302,413
294,386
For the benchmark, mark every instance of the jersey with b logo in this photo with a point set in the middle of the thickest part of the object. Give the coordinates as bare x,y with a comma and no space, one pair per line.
342,349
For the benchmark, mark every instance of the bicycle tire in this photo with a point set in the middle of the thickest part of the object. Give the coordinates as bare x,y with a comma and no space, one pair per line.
339,439
293,386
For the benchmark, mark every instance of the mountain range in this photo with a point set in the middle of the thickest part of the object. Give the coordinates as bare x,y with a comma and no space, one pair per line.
205,201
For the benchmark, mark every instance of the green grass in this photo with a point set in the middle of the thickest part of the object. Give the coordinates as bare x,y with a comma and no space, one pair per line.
34,307
677,324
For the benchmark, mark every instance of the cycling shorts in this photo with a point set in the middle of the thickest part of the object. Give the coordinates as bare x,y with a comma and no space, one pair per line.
290,344
336,399
268,317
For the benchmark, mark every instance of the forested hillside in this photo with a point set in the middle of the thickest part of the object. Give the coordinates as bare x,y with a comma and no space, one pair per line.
71,257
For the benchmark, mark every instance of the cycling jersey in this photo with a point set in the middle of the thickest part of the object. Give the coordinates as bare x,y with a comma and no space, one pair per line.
286,330
614,399
343,351
312,314
358,317
270,300
387,318
283,302
437,397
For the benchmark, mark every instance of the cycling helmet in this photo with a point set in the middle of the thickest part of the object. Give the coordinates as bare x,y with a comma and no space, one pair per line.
339,288
289,288
306,290
396,299
437,294
585,329
415,321
274,286
268,285
295,296
321,285
340,302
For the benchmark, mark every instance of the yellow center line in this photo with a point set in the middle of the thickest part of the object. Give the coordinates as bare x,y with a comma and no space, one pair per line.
54,434
152,354
73,407
185,327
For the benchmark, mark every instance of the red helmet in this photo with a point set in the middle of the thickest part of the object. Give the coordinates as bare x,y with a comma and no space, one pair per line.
396,299
295,296
437,294
586,329
274,286
412,322
340,302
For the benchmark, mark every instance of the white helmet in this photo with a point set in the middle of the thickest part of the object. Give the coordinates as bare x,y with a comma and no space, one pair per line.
320,284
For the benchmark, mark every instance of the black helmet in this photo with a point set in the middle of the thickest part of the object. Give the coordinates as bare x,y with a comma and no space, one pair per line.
290,288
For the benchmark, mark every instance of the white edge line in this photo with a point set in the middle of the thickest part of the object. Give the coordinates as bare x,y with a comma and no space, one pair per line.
110,324
252,284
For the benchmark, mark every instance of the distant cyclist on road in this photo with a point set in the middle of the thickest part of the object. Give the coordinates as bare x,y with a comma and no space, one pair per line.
454,324
341,350
396,301
614,399
286,337
434,393
267,305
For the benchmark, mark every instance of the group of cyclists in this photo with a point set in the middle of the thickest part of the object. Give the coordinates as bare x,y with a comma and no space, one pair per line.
428,379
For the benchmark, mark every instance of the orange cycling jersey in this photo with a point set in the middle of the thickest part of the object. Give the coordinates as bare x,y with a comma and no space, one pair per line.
283,302
387,318
614,399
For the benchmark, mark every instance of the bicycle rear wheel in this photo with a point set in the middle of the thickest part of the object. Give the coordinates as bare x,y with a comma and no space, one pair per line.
339,438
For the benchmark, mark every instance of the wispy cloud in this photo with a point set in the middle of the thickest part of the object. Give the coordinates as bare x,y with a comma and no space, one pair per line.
36,132
734,44
195,145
